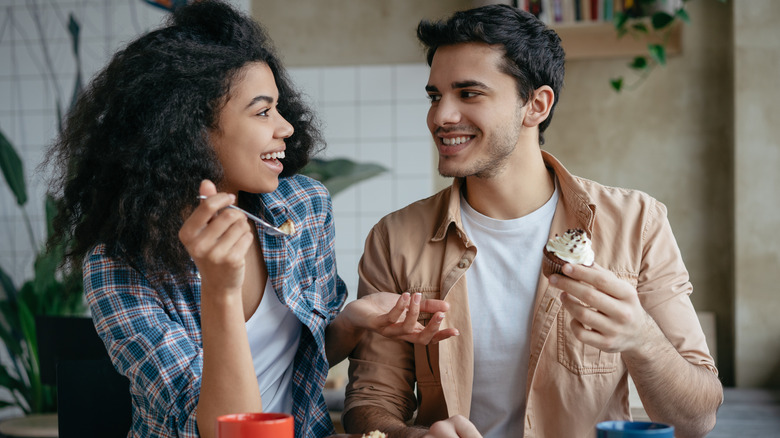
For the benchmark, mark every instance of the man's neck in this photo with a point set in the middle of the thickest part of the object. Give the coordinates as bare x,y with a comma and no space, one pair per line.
519,189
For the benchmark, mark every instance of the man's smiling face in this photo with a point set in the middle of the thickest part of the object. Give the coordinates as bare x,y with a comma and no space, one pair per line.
476,114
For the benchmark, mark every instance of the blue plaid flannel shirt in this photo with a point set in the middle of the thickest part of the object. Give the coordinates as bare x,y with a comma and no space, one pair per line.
150,325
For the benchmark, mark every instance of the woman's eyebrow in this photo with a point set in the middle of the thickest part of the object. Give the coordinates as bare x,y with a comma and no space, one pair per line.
261,98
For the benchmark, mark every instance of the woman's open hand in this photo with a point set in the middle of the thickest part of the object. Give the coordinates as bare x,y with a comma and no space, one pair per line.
395,316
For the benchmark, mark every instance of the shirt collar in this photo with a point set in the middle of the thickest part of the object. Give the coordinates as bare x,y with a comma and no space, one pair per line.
572,194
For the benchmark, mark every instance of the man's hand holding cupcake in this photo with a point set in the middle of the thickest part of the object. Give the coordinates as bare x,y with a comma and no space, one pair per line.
606,312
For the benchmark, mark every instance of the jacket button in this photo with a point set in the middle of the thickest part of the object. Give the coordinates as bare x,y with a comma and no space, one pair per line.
463,264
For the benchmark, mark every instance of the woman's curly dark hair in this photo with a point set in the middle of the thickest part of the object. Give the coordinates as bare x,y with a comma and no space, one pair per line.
135,147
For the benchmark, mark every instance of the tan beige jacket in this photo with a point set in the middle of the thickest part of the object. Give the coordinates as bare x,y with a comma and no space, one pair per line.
571,386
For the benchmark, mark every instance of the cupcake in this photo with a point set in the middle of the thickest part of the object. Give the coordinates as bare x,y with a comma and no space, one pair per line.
572,247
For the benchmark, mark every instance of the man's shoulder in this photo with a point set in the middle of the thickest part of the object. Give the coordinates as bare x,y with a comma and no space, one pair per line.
618,197
418,214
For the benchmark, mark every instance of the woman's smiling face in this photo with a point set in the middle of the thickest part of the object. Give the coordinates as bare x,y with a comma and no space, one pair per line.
249,139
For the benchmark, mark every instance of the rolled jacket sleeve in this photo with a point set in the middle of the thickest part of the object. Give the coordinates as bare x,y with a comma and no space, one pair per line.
664,289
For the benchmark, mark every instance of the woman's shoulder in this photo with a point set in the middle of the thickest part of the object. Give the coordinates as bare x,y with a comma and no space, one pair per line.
302,189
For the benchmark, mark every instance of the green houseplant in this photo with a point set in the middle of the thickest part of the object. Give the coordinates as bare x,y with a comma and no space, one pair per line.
644,19
51,291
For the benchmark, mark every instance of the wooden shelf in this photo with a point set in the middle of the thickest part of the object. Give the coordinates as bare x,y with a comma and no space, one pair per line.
599,40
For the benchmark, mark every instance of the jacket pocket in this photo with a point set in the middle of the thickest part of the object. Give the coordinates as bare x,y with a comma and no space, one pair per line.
582,359
579,358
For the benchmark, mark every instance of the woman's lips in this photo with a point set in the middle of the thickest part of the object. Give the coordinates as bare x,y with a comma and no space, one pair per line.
272,161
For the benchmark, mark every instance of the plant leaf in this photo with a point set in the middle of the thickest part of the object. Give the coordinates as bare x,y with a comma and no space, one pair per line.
639,63
5,404
640,27
338,174
10,340
619,20
658,53
661,20
617,84
682,15
7,283
74,31
13,170
9,381
27,323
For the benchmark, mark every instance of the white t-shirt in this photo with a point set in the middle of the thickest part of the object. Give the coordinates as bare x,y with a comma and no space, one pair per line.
502,287
274,332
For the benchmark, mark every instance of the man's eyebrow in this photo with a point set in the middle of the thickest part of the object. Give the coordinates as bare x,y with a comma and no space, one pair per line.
458,85
469,84
261,98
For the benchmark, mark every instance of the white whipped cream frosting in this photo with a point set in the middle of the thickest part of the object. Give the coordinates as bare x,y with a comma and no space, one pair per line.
573,247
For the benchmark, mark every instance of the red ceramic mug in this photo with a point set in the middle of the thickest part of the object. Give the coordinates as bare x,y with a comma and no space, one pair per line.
255,425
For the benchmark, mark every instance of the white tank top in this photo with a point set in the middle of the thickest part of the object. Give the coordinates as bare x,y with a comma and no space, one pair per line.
502,287
274,333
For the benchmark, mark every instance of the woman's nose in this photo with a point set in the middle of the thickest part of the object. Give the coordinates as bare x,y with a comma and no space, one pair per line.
284,129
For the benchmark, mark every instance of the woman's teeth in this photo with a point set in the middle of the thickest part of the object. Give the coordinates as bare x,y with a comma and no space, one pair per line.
272,155
455,140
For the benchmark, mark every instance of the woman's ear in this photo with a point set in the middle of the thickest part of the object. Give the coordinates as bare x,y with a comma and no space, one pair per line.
539,106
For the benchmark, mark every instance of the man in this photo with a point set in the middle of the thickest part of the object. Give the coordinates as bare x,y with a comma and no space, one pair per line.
535,356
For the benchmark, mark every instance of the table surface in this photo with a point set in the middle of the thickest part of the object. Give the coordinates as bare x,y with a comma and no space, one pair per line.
32,426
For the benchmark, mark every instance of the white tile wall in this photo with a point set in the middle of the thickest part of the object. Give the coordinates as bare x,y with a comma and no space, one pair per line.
370,113
37,70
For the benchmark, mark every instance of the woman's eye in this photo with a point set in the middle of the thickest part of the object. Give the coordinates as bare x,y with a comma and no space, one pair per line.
264,113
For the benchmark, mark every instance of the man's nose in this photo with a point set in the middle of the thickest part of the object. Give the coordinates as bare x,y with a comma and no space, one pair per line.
446,112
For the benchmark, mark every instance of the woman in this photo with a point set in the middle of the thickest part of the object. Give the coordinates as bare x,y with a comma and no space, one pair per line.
205,313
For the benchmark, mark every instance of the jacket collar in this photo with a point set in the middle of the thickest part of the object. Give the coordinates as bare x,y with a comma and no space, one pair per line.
575,200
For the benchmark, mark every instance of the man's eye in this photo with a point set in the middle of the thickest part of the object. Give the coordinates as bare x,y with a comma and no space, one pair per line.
468,94
434,97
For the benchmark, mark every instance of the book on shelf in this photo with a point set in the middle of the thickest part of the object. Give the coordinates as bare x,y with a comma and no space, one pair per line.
565,12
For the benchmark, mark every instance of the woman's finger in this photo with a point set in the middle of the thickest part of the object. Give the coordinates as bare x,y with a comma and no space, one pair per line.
395,314
433,305
410,322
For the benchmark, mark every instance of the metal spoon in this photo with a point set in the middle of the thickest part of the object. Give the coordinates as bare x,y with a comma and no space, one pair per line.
268,228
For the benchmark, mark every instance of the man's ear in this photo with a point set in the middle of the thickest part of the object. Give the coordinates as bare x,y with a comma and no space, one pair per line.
539,106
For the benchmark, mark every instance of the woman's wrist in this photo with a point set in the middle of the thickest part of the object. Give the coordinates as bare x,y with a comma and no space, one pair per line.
350,322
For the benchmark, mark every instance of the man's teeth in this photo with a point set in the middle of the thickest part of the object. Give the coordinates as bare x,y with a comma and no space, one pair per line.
272,155
455,140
